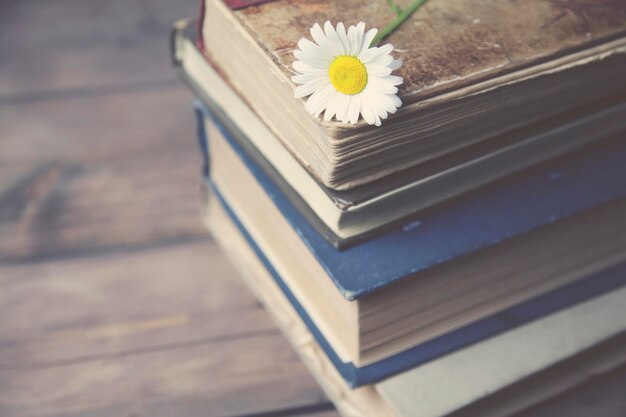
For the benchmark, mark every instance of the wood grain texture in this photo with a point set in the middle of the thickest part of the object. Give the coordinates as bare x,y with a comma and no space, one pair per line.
97,172
48,46
329,413
65,309
65,209
99,128
232,378
160,332
113,298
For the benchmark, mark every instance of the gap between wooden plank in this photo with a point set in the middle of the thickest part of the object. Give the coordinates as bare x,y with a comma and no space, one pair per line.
81,253
234,378
75,310
19,367
294,411
90,91
170,331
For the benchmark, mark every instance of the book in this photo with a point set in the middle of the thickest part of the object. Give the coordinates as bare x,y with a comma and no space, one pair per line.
566,340
561,382
347,217
471,71
473,373
410,295
354,402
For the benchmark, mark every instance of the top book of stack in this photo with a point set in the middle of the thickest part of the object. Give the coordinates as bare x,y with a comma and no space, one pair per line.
472,71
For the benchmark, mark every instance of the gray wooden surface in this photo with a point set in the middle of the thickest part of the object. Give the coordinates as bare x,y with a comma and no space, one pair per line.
114,301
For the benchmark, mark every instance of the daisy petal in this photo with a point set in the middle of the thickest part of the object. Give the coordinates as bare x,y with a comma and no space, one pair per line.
384,60
395,64
367,55
353,109
322,40
318,35
357,42
309,76
393,79
396,101
343,102
311,50
366,112
308,47
376,54
374,110
333,38
387,104
352,40
303,67
316,61
381,86
310,87
343,38
385,49
367,40
318,100
331,107
305,44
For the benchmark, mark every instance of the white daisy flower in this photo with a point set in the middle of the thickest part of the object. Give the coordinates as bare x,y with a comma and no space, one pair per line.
344,76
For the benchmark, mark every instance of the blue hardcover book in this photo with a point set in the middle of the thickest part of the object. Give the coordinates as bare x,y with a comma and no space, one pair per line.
568,214
591,286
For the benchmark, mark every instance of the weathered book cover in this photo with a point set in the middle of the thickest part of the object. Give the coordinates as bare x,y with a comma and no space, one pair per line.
472,70
448,44
552,191
299,329
355,376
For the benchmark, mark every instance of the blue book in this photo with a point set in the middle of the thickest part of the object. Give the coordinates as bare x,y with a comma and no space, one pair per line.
578,196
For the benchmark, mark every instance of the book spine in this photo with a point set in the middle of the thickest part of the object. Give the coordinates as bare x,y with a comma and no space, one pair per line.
200,23
203,142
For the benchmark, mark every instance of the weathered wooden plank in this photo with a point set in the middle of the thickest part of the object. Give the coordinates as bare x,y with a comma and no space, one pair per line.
68,208
329,413
60,44
231,378
97,128
66,212
169,331
58,311
98,172
97,156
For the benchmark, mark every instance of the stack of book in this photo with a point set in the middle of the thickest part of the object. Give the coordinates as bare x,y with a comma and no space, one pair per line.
457,258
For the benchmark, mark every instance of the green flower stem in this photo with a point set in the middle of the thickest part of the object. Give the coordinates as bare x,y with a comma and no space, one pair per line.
393,6
402,15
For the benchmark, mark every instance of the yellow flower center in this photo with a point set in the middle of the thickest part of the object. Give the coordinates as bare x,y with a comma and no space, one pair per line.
348,75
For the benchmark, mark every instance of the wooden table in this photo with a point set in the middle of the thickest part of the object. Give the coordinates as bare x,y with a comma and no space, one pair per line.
114,301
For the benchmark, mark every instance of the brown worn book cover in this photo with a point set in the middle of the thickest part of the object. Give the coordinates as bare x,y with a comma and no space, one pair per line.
473,70
448,44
